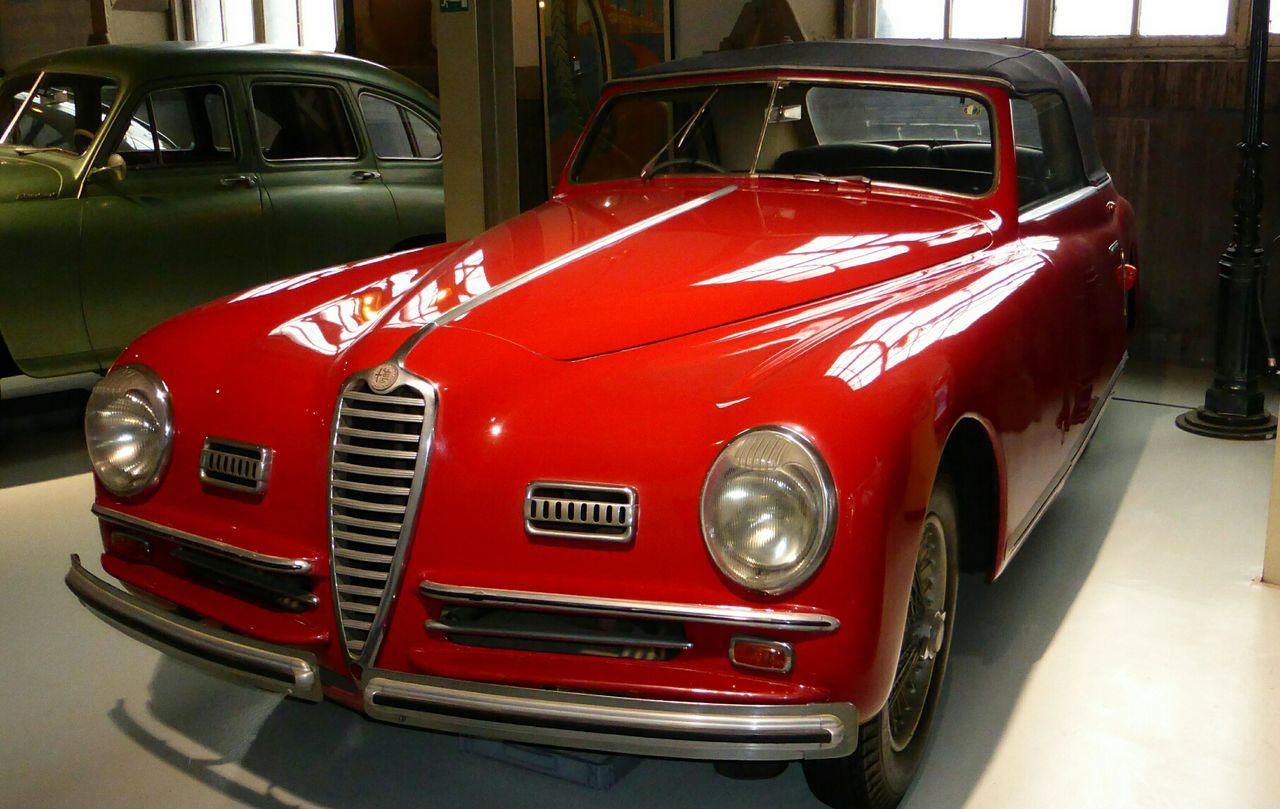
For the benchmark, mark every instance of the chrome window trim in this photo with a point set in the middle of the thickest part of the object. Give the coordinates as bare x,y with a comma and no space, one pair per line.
378,621
293,161
262,561
433,124
724,615
26,102
1047,208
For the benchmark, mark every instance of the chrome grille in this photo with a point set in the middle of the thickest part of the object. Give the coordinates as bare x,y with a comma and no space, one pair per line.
234,465
380,446
580,511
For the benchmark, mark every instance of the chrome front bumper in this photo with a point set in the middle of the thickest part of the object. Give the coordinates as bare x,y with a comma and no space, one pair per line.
644,727
274,668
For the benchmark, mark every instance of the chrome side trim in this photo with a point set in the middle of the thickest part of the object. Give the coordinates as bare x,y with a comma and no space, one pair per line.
625,608
275,564
556,263
693,730
1060,480
1056,204
274,668
586,638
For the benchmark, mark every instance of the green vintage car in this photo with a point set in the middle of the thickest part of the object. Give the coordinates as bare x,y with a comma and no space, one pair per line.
139,181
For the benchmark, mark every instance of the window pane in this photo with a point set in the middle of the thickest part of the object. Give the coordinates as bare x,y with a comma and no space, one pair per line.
319,25
302,121
910,19
425,137
65,112
1092,18
237,24
281,17
208,14
987,19
386,128
188,124
1180,18
1047,153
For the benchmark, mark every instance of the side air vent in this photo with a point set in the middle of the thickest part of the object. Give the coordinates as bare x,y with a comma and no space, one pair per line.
234,465
580,511
381,443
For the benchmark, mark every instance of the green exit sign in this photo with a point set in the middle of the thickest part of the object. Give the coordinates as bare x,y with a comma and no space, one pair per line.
453,5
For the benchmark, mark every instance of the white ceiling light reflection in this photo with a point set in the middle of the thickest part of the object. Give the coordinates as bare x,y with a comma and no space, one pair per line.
895,339
821,256
334,325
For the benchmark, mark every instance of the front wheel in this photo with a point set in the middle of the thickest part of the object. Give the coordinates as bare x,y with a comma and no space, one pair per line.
891,743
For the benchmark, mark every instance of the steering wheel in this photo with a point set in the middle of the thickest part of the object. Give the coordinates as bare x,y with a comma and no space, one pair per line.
80,139
688,161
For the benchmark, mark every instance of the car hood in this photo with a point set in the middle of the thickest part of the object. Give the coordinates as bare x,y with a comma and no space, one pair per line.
590,274
26,179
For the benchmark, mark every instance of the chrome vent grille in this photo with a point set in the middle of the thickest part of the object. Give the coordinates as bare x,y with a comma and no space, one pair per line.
380,446
580,511
234,465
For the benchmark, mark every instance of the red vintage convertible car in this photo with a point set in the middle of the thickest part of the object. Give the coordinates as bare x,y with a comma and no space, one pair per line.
684,462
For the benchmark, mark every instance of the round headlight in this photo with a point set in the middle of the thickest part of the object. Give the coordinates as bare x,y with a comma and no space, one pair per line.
128,426
768,510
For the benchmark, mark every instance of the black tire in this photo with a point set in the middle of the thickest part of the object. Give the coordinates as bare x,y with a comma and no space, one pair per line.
878,773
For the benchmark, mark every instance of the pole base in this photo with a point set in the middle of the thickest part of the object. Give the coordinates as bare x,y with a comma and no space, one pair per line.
1202,421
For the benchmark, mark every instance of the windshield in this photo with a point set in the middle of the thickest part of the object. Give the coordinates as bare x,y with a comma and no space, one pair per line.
63,113
929,139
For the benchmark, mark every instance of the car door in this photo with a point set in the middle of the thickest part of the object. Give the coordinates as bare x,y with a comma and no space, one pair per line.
183,226
326,203
406,144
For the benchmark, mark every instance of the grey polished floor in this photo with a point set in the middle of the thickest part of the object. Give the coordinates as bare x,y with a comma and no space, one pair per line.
1128,658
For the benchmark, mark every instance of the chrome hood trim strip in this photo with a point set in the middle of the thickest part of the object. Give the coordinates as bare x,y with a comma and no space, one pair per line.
624,608
262,561
556,263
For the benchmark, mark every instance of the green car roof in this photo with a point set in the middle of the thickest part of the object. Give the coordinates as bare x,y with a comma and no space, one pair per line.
136,63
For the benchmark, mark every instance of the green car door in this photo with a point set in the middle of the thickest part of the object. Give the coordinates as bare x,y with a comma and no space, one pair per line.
184,225
406,142
326,202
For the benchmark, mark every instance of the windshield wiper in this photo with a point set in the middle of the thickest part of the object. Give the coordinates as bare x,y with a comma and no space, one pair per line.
679,137
825,179
23,151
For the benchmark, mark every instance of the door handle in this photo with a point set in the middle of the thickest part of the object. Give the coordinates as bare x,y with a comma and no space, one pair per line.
241,180
365,176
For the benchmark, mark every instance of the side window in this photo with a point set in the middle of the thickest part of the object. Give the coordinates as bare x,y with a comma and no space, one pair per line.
183,126
1048,155
302,122
398,132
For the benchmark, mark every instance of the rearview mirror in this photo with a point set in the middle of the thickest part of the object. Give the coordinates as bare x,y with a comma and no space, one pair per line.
115,170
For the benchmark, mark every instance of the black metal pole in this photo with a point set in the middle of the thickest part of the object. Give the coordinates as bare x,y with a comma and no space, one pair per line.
1233,404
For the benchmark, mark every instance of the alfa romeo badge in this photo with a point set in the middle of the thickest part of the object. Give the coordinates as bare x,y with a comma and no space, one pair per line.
384,378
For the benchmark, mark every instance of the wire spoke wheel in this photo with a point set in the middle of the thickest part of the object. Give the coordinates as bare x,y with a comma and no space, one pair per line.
923,636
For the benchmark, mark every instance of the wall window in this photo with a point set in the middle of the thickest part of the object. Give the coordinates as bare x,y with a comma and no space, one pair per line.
302,122
1104,18
181,126
288,23
948,19
398,132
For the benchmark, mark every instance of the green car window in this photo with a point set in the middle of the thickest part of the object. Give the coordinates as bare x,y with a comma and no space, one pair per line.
302,122
64,112
178,127
398,132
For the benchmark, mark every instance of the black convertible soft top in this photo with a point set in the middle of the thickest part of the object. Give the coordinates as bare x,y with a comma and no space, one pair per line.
1026,71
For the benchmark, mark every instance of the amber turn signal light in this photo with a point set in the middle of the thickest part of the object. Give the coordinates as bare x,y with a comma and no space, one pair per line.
129,547
761,655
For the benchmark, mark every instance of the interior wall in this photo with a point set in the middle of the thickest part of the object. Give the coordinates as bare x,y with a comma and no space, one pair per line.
1168,133
31,28
400,35
126,26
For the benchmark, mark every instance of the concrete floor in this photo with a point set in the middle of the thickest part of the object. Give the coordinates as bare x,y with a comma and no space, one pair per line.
1128,658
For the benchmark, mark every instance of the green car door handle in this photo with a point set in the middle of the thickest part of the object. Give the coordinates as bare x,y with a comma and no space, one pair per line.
365,176
241,180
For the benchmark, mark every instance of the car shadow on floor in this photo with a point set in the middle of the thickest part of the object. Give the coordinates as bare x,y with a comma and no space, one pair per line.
42,437
1004,628
269,753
